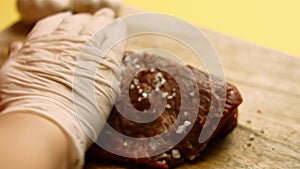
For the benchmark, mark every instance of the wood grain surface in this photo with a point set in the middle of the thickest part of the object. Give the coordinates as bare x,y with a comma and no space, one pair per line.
269,82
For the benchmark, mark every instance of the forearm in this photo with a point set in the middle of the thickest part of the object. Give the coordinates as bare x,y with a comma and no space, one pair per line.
29,141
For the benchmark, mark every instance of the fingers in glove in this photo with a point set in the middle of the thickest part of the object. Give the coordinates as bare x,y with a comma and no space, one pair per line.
14,48
113,4
115,41
99,20
47,25
72,25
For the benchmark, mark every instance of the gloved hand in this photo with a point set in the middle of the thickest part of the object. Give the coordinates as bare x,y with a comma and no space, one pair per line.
33,10
38,75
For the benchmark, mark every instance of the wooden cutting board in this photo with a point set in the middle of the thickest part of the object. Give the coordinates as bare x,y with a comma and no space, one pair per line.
269,82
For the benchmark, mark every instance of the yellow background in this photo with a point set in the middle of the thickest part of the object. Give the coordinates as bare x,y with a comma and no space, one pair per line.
270,23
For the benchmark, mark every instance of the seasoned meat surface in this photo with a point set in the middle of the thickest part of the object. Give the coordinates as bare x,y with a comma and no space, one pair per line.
148,81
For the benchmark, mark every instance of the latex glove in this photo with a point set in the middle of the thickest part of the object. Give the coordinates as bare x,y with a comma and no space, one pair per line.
37,76
33,10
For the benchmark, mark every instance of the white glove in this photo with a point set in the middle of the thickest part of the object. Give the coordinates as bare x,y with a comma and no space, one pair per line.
37,76
34,10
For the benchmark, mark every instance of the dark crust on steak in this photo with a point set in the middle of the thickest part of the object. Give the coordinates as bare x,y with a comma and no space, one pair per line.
187,149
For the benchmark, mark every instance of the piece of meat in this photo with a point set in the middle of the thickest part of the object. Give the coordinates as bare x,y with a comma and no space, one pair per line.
162,83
